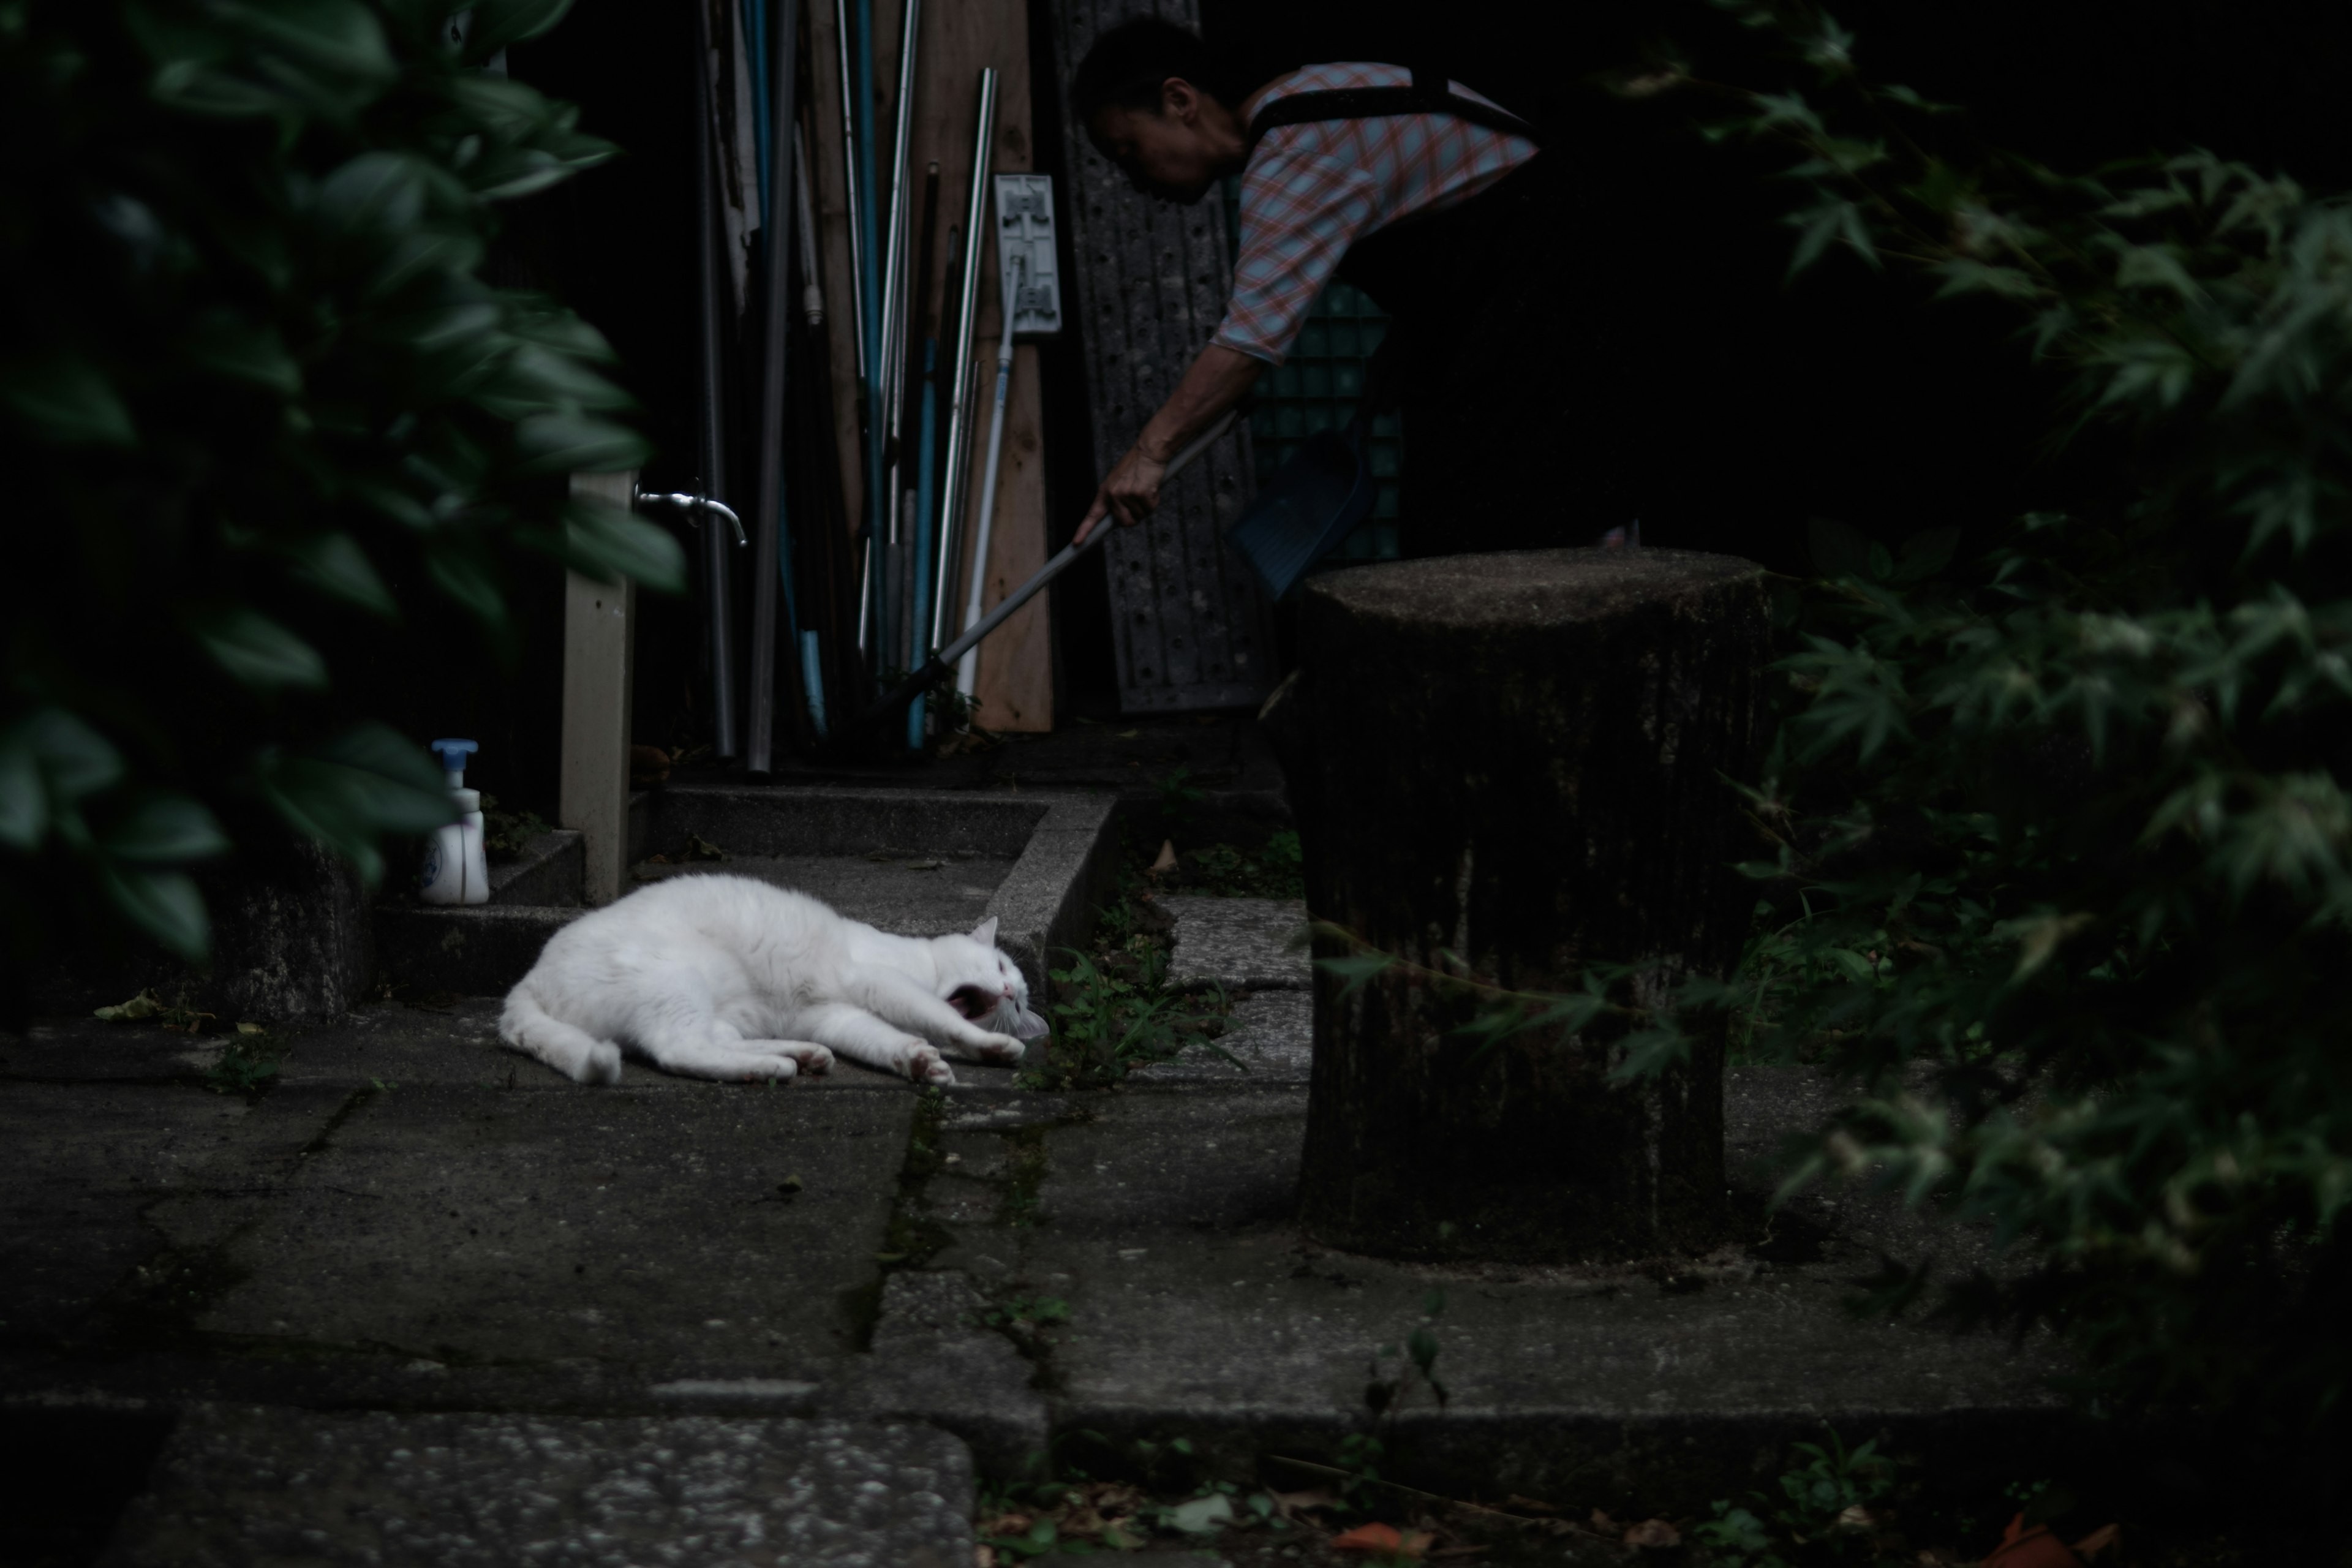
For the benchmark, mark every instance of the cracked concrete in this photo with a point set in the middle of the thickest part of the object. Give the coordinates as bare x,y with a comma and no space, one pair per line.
413,1221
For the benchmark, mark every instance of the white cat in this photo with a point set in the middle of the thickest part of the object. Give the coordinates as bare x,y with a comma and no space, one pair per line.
725,977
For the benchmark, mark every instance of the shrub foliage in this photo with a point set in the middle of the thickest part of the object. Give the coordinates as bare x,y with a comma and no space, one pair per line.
2060,857
251,375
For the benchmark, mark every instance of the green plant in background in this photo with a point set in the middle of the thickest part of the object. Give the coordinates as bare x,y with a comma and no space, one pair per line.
2063,826
507,834
1106,1024
249,380
1277,872
1831,1510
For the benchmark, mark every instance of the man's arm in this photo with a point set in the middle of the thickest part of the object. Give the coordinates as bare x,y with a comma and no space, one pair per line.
1220,378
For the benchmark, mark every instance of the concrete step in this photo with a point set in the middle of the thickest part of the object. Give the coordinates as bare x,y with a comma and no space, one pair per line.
259,1485
913,862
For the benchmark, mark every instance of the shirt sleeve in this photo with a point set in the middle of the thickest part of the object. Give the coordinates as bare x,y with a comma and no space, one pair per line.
1299,213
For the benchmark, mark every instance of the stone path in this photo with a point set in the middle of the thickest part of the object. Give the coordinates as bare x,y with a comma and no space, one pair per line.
730,1319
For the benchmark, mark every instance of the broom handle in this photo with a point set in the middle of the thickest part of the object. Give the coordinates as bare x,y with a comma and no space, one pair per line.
943,662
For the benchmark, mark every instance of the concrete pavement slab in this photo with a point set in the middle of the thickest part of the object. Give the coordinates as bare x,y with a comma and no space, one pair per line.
614,1237
1241,944
1271,1036
275,1489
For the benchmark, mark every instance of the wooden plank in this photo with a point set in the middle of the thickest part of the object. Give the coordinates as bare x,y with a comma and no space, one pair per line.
600,625
1190,628
1014,681
959,37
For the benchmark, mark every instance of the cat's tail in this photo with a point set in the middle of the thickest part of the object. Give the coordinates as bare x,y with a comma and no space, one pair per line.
579,1055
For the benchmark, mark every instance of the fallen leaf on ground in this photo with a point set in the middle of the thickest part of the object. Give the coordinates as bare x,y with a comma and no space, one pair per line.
984,1556
1201,1516
1004,1524
146,1005
2100,1540
1292,1504
1530,1505
1167,861
2034,1548
1382,1538
1604,1525
248,1029
701,848
1653,1532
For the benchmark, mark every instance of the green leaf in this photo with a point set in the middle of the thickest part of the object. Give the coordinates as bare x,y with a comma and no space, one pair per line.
577,444
1964,276
23,803
498,22
167,905
607,543
336,565
1357,969
75,759
66,400
256,652
348,794
338,36
381,191
463,572
167,827
228,345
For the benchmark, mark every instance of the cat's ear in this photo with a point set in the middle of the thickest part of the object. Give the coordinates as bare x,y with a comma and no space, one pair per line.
985,933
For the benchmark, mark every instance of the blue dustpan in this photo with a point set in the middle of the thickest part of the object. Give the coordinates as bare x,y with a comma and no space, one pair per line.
1321,493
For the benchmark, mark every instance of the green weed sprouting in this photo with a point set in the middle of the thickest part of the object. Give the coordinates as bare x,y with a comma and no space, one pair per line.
1830,1509
1106,1026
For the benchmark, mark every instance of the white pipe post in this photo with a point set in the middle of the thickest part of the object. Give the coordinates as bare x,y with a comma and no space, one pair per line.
983,137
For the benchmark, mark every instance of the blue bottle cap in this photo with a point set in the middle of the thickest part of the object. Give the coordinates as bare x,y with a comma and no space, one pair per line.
453,753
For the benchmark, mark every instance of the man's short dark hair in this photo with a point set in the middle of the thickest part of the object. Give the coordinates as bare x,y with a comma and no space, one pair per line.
1128,66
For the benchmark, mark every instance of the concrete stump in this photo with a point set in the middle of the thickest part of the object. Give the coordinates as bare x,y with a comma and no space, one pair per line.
1520,759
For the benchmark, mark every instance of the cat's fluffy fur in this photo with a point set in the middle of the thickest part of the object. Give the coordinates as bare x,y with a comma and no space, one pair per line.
725,977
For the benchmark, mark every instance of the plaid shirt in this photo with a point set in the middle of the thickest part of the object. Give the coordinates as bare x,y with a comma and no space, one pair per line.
1313,189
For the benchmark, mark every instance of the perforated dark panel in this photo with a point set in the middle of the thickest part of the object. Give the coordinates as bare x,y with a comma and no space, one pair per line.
1190,627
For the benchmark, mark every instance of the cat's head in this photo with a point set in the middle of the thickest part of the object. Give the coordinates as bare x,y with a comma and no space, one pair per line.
984,986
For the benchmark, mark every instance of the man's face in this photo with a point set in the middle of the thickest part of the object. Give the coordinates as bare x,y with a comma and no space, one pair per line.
1163,155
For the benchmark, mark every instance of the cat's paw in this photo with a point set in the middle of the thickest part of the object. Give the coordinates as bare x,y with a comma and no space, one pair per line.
602,1064
1000,1048
925,1064
811,1059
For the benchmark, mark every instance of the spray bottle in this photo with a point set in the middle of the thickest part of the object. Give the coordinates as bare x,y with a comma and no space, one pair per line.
456,871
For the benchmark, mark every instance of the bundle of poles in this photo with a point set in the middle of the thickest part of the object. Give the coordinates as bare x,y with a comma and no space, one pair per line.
837,614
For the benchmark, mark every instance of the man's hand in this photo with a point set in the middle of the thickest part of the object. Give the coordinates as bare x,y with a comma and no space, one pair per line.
1216,381
1130,493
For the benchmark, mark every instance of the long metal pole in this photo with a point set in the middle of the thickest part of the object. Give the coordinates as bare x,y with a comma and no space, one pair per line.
716,576
851,170
943,663
776,250
983,137
889,371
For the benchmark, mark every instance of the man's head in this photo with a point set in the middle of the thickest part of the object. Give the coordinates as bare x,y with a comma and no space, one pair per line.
1154,103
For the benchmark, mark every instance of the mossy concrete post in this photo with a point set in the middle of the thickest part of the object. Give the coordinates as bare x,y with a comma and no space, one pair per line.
1519,762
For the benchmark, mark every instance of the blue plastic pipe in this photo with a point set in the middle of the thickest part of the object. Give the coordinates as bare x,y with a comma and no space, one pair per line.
755,30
